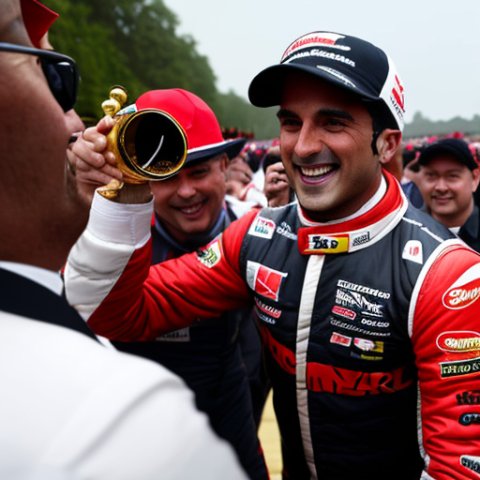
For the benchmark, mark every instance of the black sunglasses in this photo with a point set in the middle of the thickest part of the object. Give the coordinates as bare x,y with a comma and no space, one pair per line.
60,71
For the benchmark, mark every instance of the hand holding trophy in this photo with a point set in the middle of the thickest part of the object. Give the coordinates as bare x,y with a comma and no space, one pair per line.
147,144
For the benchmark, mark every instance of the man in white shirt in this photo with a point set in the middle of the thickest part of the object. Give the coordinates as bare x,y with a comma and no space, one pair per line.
70,407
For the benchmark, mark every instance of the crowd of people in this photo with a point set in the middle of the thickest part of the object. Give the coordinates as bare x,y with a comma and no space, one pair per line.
336,265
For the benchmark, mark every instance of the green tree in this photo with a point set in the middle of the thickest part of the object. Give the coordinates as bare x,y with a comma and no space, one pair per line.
235,111
132,43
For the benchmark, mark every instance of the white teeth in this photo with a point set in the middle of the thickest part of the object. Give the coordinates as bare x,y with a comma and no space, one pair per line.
192,209
316,171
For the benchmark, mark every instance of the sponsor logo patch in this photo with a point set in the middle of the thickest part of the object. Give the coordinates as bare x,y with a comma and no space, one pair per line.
469,397
360,239
353,328
211,254
413,251
471,463
459,341
271,311
467,419
355,287
327,244
262,227
460,368
265,281
315,40
266,318
326,378
354,299
398,95
339,339
374,323
367,345
464,291
344,312
285,230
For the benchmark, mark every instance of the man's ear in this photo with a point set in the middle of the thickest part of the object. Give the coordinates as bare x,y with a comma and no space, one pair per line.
476,179
224,161
388,143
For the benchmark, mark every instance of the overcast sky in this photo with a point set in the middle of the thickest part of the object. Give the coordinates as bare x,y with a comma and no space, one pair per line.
435,44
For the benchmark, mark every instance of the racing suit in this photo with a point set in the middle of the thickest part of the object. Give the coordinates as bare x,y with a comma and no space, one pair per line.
371,327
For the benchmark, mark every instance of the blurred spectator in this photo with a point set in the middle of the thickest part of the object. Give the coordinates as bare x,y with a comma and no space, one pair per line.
245,178
410,173
449,175
276,185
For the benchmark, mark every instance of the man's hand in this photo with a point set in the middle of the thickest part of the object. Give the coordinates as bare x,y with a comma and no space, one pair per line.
93,164
276,186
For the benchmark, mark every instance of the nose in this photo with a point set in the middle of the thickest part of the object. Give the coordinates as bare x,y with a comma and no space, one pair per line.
441,184
186,189
73,121
308,142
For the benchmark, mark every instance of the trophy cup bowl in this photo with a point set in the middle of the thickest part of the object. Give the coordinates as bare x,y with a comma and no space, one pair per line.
148,144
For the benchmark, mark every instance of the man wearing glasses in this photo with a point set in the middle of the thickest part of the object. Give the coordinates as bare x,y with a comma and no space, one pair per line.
70,407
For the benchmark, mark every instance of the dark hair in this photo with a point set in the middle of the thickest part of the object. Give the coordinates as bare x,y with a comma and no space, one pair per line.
269,159
255,157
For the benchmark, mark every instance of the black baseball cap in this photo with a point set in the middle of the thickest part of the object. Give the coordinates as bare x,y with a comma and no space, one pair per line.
348,62
454,147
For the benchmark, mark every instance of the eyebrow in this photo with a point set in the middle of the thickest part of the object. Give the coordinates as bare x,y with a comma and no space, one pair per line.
323,112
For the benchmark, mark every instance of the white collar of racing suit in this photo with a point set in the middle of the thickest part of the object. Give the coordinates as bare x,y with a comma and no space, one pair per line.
366,227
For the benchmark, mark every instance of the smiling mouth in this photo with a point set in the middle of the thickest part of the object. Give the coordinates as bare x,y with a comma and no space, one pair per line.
192,209
317,171
441,199
317,174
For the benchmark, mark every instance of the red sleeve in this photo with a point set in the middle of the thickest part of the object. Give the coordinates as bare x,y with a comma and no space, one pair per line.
446,339
147,300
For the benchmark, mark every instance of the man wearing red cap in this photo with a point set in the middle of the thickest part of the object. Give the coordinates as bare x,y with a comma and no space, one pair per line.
70,408
190,210
368,308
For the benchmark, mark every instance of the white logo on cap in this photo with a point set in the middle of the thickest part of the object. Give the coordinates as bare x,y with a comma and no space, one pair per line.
337,74
315,39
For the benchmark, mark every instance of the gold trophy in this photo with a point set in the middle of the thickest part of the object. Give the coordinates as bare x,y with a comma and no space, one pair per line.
148,144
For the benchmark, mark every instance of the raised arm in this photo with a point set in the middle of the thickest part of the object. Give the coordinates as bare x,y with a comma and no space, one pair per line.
109,279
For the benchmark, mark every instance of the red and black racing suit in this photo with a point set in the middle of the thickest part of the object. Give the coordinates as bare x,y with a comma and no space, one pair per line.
371,327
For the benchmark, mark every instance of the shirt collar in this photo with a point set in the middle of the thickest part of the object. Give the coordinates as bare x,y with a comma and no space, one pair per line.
47,278
366,227
365,208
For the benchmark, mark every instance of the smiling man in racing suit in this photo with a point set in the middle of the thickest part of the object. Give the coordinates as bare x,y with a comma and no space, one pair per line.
368,307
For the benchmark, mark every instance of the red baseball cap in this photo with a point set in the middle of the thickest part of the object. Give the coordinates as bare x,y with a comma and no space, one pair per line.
204,135
37,19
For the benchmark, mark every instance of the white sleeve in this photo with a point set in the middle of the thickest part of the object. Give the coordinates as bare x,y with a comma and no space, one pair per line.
98,258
